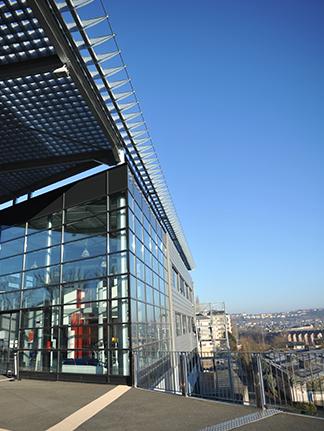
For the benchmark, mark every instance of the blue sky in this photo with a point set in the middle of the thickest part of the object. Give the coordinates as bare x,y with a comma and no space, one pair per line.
233,93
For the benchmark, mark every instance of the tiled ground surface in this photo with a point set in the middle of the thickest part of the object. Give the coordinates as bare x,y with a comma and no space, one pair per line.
37,405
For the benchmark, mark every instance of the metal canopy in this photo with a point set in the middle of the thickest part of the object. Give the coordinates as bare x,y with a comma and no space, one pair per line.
67,103
49,129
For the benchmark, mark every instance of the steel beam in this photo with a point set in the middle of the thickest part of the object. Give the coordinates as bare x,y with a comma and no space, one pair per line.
99,157
29,67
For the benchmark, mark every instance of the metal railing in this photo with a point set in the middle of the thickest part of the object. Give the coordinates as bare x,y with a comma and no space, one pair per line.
8,362
289,380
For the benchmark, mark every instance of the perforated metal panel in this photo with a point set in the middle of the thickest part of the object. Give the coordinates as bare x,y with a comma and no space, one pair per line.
21,36
42,115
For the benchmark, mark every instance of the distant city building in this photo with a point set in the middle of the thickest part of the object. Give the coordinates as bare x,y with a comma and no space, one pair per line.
213,326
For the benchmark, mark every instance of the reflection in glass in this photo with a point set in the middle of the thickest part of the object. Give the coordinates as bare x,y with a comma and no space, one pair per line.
51,221
84,362
85,269
117,263
11,248
43,239
117,241
43,297
10,282
41,277
118,286
86,209
88,247
85,291
95,225
117,200
37,360
117,219
8,233
119,311
46,317
9,301
39,338
11,265
45,257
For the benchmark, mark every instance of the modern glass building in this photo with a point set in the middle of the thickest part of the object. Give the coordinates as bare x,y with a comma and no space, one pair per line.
97,269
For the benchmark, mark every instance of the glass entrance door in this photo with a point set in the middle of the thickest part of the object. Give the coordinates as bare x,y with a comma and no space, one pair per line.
8,341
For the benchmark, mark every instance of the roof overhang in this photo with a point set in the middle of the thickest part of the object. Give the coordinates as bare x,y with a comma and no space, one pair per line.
53,122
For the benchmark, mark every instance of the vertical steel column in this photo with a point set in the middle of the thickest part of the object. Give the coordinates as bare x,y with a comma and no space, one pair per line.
183,374
261,399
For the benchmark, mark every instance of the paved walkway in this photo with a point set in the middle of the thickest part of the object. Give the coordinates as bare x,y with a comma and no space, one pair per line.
61,406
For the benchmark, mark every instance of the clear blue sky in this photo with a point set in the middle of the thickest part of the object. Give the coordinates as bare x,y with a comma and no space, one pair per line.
233,93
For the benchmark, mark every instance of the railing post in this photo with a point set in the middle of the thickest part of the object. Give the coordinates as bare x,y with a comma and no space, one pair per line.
135,369
261,401
184,374
230,376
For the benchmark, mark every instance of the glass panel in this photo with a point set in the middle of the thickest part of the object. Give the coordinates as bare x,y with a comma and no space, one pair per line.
133,290
85,269
42,297
45,222
46,317
41,277
88,313
133,311
117,263
139,269
45,257
95,225
9,301
132,241
117,219
141,312
43,239
119,362
117,200
11,264
117,241
36,360
84,362
10,282
12,247
119,311
139,249
8,233
131,220
138,229
89,247
119,337
39,338
118,286
85,291
86,337
86,209
140,291
149,294
150,313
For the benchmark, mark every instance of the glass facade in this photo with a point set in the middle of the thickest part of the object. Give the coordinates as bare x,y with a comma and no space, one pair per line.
148,275
83,285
